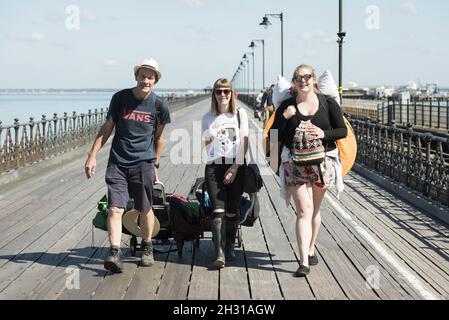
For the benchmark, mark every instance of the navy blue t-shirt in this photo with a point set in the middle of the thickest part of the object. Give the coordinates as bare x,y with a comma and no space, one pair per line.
135,124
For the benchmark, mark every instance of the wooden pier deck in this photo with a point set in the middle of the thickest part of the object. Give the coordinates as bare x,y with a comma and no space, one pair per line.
371,245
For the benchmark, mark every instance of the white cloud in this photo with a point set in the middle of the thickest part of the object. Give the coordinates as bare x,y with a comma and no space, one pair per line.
315,36
195,3
88,15
408,8
110,62
409,36
36,36
310,53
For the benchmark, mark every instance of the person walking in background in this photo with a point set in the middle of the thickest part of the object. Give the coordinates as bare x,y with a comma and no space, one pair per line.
258,107
225,133
267,104
308,184
139,117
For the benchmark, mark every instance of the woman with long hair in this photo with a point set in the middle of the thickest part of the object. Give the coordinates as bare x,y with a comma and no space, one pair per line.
225,133
305,183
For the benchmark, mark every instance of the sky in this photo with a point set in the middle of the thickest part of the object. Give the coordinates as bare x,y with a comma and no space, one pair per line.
95,44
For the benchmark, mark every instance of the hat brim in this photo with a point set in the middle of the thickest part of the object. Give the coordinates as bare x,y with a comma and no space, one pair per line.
158,74
129,221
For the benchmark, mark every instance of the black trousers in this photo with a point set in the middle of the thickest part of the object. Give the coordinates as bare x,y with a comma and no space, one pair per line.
222,196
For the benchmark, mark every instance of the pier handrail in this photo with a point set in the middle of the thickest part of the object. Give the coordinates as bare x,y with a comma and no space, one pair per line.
22,144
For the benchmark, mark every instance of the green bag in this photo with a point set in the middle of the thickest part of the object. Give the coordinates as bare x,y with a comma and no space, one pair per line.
101,218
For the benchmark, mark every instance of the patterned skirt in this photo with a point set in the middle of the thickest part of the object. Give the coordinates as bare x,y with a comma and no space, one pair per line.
296,176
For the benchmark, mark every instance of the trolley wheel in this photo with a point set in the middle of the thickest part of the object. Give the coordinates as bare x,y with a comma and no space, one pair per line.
239,237
180,245
133,246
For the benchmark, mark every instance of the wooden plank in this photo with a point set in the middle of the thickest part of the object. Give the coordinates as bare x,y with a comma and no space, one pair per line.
284,258
21,286
402,251
350,279
205,277
50,191
54,284
37,242
261,273
39,210
145,282
320,279
91,274
389,288
417,228
114,285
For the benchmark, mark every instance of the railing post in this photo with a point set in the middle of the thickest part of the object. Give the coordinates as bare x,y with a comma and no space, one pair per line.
415,120
393,142
16,142
44,136
408,111
32,151
409,154
426,186
422,113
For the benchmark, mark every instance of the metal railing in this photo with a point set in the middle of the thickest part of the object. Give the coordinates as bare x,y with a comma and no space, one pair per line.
419,161
424,113
22,144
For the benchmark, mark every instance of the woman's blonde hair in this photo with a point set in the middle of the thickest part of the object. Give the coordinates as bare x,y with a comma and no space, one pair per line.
296,73
222,83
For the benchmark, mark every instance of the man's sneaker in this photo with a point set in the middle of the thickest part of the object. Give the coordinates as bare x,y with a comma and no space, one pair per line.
113,261
313,260
147,254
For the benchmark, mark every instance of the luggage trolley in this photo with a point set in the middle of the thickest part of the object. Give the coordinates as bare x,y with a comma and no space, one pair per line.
198,194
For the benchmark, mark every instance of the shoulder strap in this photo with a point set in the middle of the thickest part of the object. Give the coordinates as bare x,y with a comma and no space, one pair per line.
158,104
238,117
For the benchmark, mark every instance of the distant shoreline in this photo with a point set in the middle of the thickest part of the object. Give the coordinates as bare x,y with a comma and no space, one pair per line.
64,90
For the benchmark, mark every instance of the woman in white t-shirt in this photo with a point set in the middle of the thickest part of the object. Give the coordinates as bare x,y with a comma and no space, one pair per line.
223,134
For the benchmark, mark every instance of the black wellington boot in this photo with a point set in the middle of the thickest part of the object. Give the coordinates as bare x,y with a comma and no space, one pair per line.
231,230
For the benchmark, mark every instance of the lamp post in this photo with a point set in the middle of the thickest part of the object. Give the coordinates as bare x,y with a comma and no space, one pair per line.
246,60
265,22
252,46
243,67
341,34
254,82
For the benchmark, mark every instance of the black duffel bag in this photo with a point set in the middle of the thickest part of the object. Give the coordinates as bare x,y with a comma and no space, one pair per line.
252,181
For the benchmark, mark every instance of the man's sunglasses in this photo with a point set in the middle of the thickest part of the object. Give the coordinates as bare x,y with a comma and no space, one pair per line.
220,91
306,77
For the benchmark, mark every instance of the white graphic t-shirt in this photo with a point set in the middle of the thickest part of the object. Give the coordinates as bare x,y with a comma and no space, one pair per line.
224,132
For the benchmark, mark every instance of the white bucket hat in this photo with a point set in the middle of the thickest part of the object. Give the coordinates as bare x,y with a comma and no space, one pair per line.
129,221
149,64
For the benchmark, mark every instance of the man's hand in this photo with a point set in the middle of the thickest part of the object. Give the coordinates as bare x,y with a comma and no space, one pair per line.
90,166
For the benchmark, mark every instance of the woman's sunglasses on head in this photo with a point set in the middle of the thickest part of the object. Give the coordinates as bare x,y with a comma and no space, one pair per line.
220,91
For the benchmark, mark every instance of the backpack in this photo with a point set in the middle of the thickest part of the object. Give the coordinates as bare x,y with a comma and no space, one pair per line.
186,221
248,208
306,151
347,147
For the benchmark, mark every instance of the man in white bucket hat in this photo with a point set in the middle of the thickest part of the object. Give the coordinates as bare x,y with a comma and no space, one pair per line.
139,117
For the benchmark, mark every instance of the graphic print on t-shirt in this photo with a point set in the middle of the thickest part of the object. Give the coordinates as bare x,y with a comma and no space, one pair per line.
224,140
139,116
